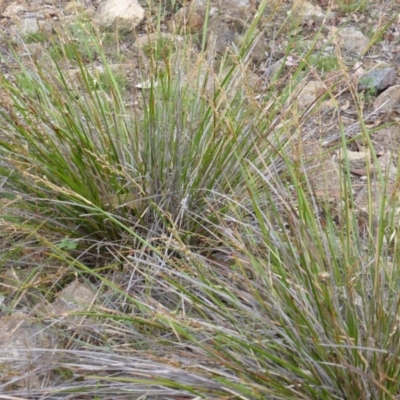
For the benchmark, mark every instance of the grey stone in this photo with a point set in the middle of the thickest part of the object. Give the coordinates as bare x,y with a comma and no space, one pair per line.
378,79
352,40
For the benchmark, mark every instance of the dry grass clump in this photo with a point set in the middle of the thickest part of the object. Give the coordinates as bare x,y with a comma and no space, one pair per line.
218,272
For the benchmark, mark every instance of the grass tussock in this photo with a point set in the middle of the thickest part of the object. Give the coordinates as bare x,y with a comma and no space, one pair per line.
218,271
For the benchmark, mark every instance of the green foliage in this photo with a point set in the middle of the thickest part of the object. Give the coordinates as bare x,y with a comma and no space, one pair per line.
25,83
324,63
349,6
67,244
80,40
38,37
181,154
159,49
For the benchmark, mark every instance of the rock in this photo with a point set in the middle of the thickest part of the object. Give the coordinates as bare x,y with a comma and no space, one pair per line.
242,9
226,26
73,7
222,34
29,26
321,170
73,298
258,48
191,18
356,159
306,11
387,167
36,50
378,79
351,40
24,346
370,200
328,105
119,14
388,100
30,18
14,10
386,138
310,92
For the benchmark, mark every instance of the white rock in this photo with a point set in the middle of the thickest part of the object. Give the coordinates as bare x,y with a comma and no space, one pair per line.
75,296
352,40
121,14
13,9
388,100
310,92
307,10
29,26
